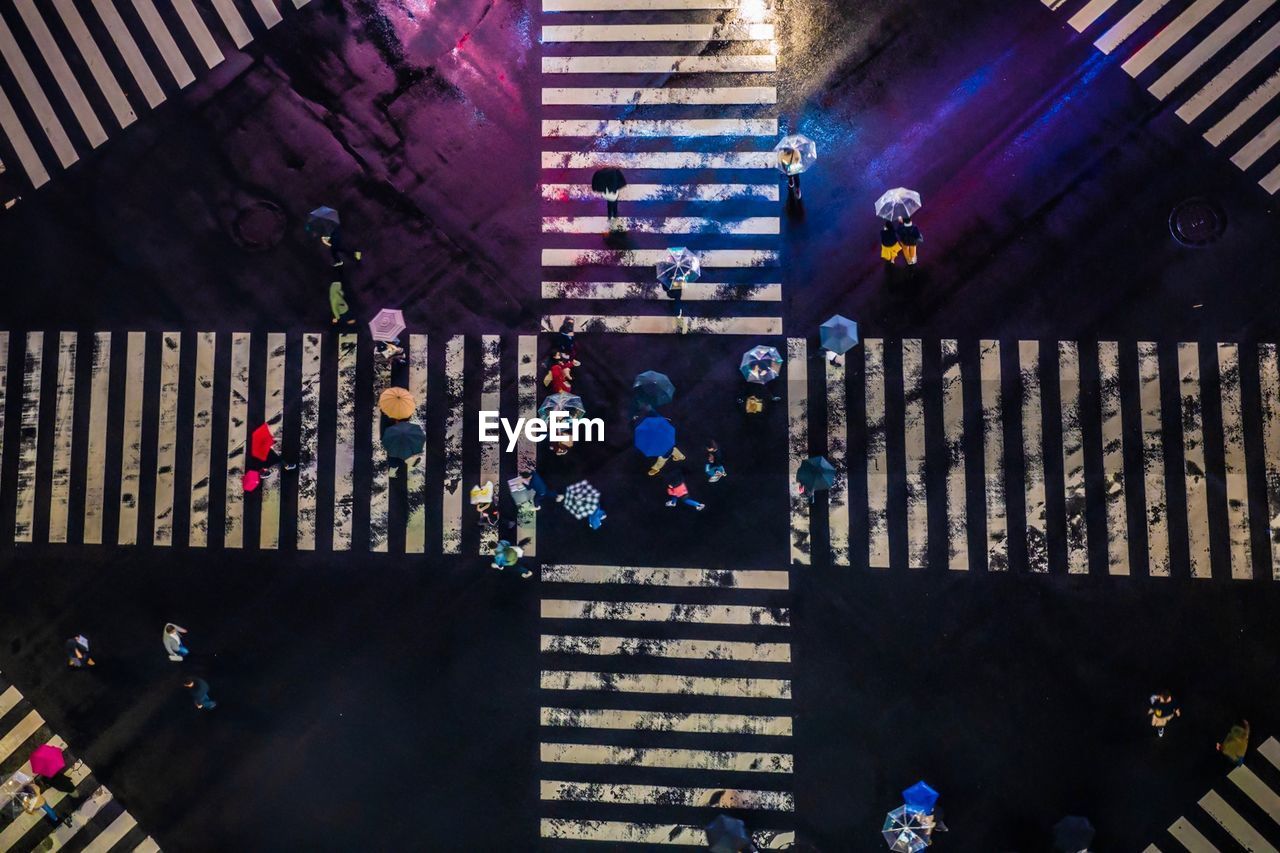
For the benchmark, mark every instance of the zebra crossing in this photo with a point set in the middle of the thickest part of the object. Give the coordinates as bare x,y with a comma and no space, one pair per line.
91,818
1109,457
1217,60
686,108
1243,815
74,72
644,734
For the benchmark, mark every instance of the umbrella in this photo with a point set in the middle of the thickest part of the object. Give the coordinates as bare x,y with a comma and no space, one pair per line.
816,474
396,403
47,760
905,831
403,440
655,436
680,265
796,153
581,499
727,835
897,202
570,403
608,180
838,334
760,364
653,388
323,221
261,442
388,325
919,797
1072,834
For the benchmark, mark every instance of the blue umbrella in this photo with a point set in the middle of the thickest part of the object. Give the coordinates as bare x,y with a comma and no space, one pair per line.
727,835
839,334
655,436
653,388
920,797
815,474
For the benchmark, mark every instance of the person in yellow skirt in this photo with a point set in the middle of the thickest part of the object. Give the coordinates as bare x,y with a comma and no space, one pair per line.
890,248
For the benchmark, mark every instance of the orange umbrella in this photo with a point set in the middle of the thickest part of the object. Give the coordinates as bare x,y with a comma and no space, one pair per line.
396,403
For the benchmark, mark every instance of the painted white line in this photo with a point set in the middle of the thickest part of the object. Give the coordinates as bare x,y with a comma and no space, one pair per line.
131,438
24,823
148,845
1270,750
657,32
19,734
915,453
1267,43
490,458
95,462
95,62
9,699
1074,496
1158,542
1193,460
665,192
1234,463
643,576
798,446
953,436
267,11
527,386
1092,11
665,721
646,833
633,5
1113,457
838,456
649,611
379,501
877,455
61,72
641,95
415,536
164,43
1257,790
1243,111
202,439
237,436
128,49
725,64
273,416
1129,24
1271,181
308,439
74,822
4,384
664,795
35,97
29,438
344,451
1190,838
1208,47
200,34
652,290
680,649
687,759
660,325
1033,456
1167,37
681,685
166,437
64,408
993,455
21,143
644,128
660,160
662,225
1269,384
112,835
1235,825
451,507
233,22
1259,145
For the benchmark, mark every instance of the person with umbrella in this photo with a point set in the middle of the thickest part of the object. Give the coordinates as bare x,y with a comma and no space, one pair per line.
678,493
262,453
910,237
48,762
890,247
78,652
1072,834
796,153
609,181
325,222
897,205
403,442
582,500
728,835
837,335
507,556
680,267
385,329
33,802
651,389
816,474
655,437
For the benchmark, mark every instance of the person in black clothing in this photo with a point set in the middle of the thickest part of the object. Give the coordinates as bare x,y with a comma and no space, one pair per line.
910,237
198,688
890,248
1162,711
338,248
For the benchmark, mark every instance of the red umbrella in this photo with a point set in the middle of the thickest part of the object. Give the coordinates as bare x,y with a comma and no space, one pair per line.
261,442
47,760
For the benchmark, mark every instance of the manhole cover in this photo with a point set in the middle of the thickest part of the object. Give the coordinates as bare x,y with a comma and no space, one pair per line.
259,226
1197,222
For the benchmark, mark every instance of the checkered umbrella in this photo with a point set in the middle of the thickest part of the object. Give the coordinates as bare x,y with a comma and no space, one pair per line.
581,499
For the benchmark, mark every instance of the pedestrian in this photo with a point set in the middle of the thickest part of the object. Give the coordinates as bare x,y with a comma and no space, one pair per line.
198,689
1236,743
338,304
560,378
32,801
789,157
609,181
890,248
172,639
78,652
715,465
563,344
338,249
678,493
533,480
910,237
597,517
389,352
267,464
1162,711
673,453
507,556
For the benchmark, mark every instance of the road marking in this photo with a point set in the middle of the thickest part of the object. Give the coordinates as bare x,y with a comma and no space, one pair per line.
658,32
273,417
237,433
1230,76
993,453
96,62
1230,820
664,225
727,258
838,456
21,143
35,96
128,50
1237,485
64,408
645,833
680,649
1033,456
953,436
379,502
1129,24
1259,145
797,444
451,508
308,439
344,451
877,455
665,721
73,823
96,460
660,159
9,700
4,383
1271,181
687,759
233,22
1189,837
642,576
1270,750
1269,383
200,34
660,325
490,459
665,192
683,685
29,438
131,438
1095,9
1158,541
1167,37
723,64
61,72
1208,47
916,452
649,611
1257,790
164,43
1074,496
676,96
701,292
166,437
665,795
633,5
148,845
18,735
1243,111
1193,460
1113,457
527,368
642,128
112,835
415,537
267,12
24,823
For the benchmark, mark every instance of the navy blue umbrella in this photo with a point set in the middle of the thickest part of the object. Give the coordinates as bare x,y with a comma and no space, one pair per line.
654,388
727,835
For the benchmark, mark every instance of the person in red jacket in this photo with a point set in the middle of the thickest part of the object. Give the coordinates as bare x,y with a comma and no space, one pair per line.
561,378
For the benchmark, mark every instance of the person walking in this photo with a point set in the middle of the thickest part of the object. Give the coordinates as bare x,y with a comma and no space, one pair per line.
789,159
338,304
507,556
678,493
910,237
78,652
1236,743
597,517
533,480
33,801
198,689
560,377
715,465
338,249
1162,711
673,453
172,639
609,181
890,247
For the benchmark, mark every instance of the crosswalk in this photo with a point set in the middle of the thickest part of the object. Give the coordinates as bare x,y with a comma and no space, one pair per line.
1240,814
1217,60
1104,457
72,72
92,820
666,698
686,108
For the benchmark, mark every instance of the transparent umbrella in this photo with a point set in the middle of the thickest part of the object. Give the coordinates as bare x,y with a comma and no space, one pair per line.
680,265
570,403
897,202
760,364
796,153
905,830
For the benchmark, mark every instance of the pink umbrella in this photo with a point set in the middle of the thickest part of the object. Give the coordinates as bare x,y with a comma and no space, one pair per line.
388,325
47,760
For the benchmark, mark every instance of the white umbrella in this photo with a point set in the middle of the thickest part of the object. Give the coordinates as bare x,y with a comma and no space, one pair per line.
388,325
897,202
796,153
680,265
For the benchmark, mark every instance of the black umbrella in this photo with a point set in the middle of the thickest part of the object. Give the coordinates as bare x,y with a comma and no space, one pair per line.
653,388
403,440
816,474
322,221
608,180
1072,834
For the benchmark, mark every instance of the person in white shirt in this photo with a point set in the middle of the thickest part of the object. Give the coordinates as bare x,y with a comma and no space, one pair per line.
172,639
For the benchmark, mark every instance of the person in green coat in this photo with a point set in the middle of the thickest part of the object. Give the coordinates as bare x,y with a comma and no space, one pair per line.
338,304
1236,743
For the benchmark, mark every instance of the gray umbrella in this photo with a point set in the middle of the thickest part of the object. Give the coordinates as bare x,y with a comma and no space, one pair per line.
403,440
839,334
322,221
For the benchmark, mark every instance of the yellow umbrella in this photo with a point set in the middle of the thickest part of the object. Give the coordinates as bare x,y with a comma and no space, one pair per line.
396,403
